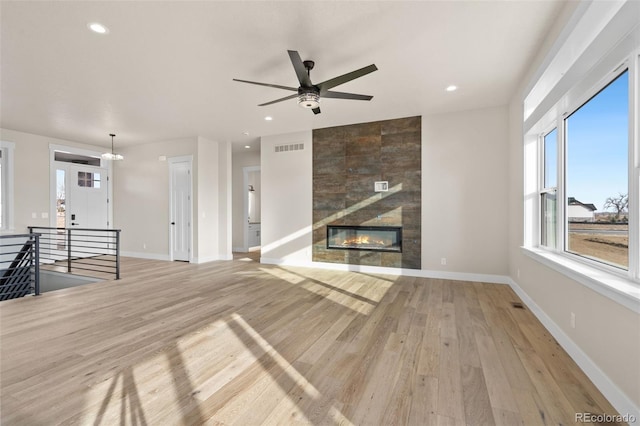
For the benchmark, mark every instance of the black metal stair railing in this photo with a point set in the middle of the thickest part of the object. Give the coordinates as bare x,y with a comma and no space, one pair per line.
19,265
82,251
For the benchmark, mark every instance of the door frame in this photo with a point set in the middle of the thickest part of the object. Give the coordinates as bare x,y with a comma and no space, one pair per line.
71,179
53,166
245,204
171,161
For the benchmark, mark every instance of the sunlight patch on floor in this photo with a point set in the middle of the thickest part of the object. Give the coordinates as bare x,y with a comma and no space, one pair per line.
118,400
297,389
283,275
328,291
172,378
217,361
271,351
368,297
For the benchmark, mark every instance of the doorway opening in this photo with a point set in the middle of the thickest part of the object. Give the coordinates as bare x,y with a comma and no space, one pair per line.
80,189
252,218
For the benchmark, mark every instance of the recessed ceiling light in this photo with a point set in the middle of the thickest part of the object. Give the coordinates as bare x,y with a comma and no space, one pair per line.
451,88
268,118
98,28
247,146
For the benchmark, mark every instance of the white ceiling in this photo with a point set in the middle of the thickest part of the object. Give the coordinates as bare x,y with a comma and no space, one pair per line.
165,69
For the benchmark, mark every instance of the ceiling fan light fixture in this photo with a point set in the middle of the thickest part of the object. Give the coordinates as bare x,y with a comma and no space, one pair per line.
309,100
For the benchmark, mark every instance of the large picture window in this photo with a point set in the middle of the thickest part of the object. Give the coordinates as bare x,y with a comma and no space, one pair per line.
581,152
584,189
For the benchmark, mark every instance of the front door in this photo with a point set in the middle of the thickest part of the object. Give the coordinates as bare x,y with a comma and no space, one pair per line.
180,220
87,197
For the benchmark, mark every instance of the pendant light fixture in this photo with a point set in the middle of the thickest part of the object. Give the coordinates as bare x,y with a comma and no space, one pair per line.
112,155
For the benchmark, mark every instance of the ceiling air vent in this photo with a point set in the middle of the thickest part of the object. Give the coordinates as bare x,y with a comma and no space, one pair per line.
290,147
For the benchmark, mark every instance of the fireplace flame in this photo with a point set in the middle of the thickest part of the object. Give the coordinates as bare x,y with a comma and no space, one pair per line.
363,240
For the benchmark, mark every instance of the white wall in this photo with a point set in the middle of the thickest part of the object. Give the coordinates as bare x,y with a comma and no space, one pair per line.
141,196
606,339
31,176
213,235
464,191
240,160
286,199
207,208
225,205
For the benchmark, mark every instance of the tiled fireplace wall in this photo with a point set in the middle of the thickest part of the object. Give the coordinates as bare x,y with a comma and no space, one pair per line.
347,160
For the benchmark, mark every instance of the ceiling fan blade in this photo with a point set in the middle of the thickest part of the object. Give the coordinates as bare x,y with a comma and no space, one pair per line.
326,85
316,110
298,66
280,100
342,95
268,85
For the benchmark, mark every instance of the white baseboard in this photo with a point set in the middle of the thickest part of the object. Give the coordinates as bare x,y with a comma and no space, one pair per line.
211,258
422,273
616,397
142,255
156,256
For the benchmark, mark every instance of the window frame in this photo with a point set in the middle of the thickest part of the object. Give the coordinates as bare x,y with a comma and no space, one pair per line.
6,192
559,122
602,84
622,286
543,189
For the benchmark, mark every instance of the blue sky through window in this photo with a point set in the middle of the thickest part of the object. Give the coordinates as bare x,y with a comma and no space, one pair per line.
597,145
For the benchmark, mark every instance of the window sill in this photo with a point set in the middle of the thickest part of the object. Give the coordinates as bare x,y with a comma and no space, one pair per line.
617,288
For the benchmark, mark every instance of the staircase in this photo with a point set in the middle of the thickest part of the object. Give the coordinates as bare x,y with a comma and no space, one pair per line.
19,266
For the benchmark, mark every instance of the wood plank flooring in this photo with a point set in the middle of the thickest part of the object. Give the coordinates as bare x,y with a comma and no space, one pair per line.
241,343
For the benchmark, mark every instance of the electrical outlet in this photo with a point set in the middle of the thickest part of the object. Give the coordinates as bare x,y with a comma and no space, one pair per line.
443,261
144,246
518,273
573,320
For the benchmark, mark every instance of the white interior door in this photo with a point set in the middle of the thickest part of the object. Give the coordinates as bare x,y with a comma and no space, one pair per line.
87,197
180,220
87,206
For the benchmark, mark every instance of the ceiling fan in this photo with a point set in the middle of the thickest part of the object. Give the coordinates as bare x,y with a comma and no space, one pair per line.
309,94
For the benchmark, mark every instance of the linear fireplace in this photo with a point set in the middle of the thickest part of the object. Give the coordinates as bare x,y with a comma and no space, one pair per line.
377,238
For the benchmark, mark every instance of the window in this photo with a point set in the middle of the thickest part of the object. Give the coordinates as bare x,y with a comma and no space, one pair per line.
6,184
581,149
89,180
597,178
2,192
61,199
548,193
584,189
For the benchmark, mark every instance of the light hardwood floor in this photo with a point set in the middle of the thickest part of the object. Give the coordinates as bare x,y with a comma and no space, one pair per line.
237,342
